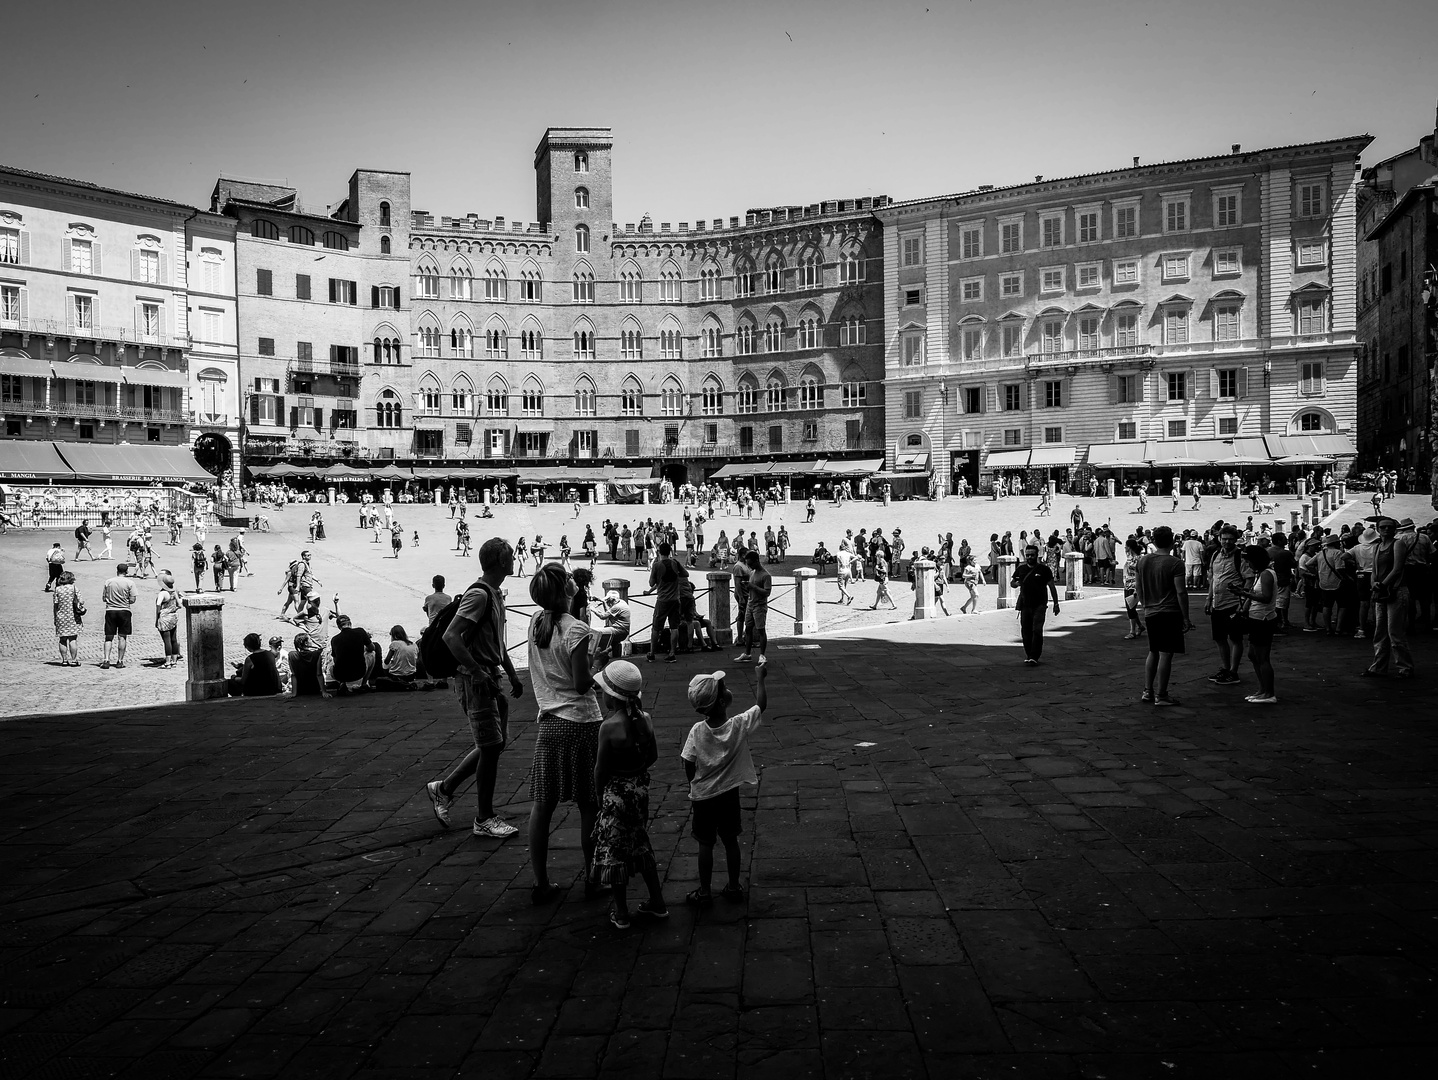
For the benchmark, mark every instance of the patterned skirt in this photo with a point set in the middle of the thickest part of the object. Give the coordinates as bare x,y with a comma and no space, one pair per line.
563,769
621,837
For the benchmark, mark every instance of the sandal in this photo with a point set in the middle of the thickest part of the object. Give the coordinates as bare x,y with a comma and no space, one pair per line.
732,892
543,894
699,899
647,909
619,922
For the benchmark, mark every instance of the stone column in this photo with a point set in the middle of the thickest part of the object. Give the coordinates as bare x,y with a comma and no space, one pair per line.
1294,515
1307,515
332,496
1342,493
806,601
1053,486
788,493
205,639
1317,502
721,623
1302,487
644,495
486,494
1110,486
924,606
1006,571
1074,589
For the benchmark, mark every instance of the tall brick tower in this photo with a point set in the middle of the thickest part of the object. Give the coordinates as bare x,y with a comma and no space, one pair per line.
574,184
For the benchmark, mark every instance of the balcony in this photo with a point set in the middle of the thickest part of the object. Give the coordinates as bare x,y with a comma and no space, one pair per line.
106,412
209,420
124,335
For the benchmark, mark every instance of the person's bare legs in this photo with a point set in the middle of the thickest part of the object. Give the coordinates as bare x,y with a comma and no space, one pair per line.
539,817
731,858
706,868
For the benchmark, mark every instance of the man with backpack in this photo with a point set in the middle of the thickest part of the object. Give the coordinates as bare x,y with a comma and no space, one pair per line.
466,640
665,577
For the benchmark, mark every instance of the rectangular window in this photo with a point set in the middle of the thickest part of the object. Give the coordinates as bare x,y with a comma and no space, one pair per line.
1228,382
1177,429
147,266
913,250
1311,252
973,343
1175,267
1175,326
973,399
1013,397
1053,434
1011,285
81,256
776,438
1125,222
1225,210
1051,279
971,290
1228,425
854,394
1053,336
1312,316
1125,331
1013,436
9,303
267,346
343,292
1127,429
305,354
1312,379
913,404
1013,339
10,246
210,323
1051,231
1177,385
1089,275
971,242
811,431
1226,262
302,286
1310,200
1088,227
82,312
1126,389
1053,394
1175,215
1011,236
1225,322
711,434
1088,335
264,283
746,440
1125,272
913,350
913,297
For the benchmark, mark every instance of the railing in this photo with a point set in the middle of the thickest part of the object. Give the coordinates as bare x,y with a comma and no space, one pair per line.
127,335
204,419
106,412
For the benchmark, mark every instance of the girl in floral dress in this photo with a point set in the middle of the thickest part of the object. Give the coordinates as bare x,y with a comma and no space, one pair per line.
621,777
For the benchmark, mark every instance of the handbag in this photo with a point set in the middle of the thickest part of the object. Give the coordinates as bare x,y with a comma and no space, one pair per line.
79,608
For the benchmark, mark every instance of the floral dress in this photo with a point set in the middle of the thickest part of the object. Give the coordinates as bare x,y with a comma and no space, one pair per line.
66,625
621,833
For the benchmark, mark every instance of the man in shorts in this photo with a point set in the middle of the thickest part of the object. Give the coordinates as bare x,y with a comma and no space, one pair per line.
756,614
119,597
476,638
1225,569
1192,560
1161,589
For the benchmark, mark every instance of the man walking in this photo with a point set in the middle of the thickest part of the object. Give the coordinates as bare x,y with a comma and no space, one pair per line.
82,541
1160,585
756,614
664,578
1033,579
54,564
1225,569
476,638
1391,597
119,597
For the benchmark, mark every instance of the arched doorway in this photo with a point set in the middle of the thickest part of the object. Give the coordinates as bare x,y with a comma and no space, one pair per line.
214,452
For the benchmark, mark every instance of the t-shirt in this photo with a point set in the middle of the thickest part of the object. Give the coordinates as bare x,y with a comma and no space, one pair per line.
55,556
666,576
305,672
1224,571
721,755
1034,584
553,677
259,677
486,640
844,560
619,618
1155,576
1283,567
403,659
118,594
436,602
348,650
1193,551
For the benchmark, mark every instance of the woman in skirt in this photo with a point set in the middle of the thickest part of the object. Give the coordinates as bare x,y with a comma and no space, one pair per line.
621,776
568,720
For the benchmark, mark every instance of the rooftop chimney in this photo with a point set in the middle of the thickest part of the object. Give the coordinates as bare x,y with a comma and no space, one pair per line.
1236,147
1038,179
1135,162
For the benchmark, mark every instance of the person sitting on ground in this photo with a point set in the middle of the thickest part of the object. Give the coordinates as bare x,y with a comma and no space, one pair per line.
402,660
282,663
256,675
617,620
355,656
306,668
695,628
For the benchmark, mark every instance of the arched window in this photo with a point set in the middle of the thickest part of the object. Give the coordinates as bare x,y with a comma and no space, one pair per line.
384,245
581,239
811,392
336,240
631,341
774,333
532,399
389,413
745,336
426,281
583,341
461,282
583,286
386,350
851,329
711,338
746,281
531,340
428,335
384,215
808,329
773,274
671,397
811,272
1311,421
496,397
429,396
264,230
630,284
581,198
748,394
914,439
461,396
671,341
709,283
631,397
530,285
670,284
496,341
774,394
461,339
581,161
496,283
300,235
851,268
584,397
711,397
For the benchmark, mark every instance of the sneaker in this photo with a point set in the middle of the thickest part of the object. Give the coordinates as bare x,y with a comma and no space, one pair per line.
1130,636
1228,679
440,801
1146,698
1360,635
496,827
1218,675
1030,662
763,659
1164,701
743,658
1262,699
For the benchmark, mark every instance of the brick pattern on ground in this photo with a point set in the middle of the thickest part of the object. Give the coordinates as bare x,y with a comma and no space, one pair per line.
1026,874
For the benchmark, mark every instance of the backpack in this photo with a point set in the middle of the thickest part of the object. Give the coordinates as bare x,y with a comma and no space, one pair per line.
434,654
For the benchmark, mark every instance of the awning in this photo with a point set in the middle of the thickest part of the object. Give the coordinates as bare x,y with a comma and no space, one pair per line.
391,472
912,462
737,469
143,376
796,468
859,467
1007,459
543,475
1050,456
21,460
341,471
25,365
633,474
1326,446
1203,452
131,462
1116,456
284,468
82,371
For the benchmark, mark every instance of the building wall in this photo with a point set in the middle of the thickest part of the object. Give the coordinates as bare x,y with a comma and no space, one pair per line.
1178,278
137,365
215,393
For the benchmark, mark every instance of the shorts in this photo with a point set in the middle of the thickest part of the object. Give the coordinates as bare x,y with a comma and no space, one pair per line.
1260,631
117,622
1283,597
716,817
1228,625
1165,632
484,703
755,616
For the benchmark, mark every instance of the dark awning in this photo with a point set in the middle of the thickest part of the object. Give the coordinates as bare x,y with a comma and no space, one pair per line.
130,462
22,460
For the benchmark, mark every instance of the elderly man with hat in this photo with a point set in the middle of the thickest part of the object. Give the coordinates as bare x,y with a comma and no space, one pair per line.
1222,607
1337,579
1416,574
1390,604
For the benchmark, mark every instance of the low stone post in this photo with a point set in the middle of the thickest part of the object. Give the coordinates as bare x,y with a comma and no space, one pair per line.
1307,515
1110,486
1317,501
1053,486
485,494
788,493
721,623
619,585
205,638
924,606
1294,515
1342,492
1006,571
1074,589
644,495
1302,488
806,601
332,496
886,496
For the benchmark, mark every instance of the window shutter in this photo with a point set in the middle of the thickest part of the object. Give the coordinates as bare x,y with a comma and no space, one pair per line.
1190,388
24,304
164,269
319,419
96,265
992,394
134,265
95,319
294,417
506,443
255,409
24,247
1113,385
374,296
332,290
1067,391
1028,396
396,298
139,319
1213,387
65,255
279,408
1243,382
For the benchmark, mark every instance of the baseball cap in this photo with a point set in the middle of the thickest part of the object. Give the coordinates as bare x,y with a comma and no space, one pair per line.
704,690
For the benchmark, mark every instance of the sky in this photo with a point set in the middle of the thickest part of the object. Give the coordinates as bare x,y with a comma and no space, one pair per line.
715,107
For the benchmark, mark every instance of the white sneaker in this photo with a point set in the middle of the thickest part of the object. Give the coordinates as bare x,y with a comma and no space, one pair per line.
496,827
763,659
743,658
440,801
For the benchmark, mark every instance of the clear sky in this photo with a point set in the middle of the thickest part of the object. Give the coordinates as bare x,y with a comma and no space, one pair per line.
716,106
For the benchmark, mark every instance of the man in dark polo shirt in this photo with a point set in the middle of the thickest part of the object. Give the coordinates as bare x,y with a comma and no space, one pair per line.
119,597
1225,568
1160,585
1033,579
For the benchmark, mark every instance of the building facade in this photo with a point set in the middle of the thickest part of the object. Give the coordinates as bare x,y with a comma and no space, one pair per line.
96,315
1196,313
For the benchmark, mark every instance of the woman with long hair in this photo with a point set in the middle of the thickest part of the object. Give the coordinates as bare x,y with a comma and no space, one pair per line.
567,742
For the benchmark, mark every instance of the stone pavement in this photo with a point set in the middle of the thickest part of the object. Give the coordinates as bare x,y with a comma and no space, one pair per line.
957,867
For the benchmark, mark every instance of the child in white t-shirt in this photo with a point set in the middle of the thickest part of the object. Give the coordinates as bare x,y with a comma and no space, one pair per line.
717,763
